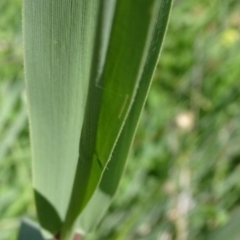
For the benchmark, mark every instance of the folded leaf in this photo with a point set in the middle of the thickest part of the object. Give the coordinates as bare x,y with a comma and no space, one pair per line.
112,95
93,213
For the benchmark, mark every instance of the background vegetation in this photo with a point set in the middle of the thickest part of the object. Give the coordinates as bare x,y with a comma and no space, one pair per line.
182,177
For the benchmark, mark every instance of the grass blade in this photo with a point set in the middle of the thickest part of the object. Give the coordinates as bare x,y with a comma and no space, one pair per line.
58,40
93,213
10,99
229,231
110,99
12,132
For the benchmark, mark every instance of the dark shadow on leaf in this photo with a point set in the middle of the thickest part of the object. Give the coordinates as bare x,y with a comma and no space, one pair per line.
47,215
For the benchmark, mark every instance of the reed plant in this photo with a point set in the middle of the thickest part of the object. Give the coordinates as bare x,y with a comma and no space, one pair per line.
88,67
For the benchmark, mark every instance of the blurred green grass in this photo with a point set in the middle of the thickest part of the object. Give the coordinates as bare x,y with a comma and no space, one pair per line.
182,177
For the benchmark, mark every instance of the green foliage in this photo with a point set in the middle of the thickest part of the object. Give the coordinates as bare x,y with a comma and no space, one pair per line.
229,231
197,77
86,85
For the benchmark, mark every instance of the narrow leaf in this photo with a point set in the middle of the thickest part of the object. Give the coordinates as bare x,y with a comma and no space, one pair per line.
58,42
112,95
93,213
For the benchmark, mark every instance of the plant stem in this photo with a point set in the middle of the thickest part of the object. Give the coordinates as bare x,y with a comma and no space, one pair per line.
77,236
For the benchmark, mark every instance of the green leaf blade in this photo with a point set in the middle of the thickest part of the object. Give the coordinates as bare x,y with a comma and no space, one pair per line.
58,41
117,88
115,167
88,68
